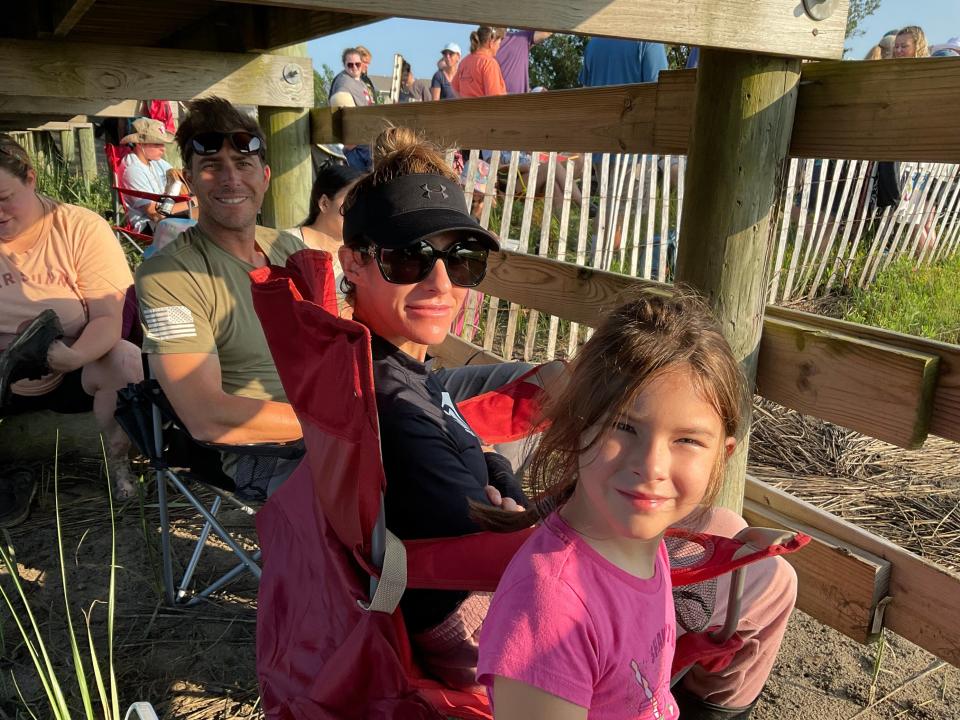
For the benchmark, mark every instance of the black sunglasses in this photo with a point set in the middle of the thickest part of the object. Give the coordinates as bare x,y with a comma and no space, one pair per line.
465,260
209,143
354,64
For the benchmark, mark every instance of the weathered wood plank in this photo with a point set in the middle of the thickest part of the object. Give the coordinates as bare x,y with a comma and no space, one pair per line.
767,26
584,295
569,291
44,69
925,598
838,584
455,351
864,111
46,107
945,412
609,119
67,13
895,110
287,133
881,390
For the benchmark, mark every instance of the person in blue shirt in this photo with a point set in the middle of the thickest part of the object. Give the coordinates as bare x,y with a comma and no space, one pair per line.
608,61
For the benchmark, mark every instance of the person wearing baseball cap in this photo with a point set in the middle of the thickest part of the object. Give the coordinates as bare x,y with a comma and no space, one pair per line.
411,253
145,170
440,87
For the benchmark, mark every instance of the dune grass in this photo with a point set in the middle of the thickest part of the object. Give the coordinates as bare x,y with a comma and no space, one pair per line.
923,301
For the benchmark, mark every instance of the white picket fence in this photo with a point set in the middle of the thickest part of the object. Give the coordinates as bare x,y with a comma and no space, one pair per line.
827,233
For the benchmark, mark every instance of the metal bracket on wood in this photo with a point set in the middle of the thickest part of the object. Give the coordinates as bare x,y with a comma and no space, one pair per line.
819,9
877,625
291,73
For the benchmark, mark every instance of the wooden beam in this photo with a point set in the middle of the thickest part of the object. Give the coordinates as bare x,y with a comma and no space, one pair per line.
45,107
839,584
622,118
249,28
53,70
67,13
57,126
899,110
925,598
287,133
884,391
892,110
945,411
835,367
569,291
455,351
769,26
738,150
88,153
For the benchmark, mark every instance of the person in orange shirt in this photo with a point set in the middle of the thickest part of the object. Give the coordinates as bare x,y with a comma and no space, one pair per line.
63,276
479,73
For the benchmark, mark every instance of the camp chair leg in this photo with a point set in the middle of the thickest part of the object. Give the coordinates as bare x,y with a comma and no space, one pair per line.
165,552
239,504
130,240
217,527
227,578
197,551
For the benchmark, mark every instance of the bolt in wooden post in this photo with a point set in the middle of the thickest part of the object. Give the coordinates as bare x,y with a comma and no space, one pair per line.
287,132
738,150
88,153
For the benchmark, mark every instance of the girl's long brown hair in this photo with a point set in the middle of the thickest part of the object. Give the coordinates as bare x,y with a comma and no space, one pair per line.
650,333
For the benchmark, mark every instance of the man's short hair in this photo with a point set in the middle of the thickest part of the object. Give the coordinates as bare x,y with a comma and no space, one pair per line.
350,51
214,114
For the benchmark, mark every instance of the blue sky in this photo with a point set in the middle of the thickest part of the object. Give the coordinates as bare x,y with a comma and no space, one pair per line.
940,20
420,41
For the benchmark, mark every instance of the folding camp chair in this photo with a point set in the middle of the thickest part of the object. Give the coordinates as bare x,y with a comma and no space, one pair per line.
115,155
183,463
330,643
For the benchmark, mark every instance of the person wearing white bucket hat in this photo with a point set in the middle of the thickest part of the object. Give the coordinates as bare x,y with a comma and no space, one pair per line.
145,170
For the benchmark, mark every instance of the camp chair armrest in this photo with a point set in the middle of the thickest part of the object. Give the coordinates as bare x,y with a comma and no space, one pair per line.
143,195
470,562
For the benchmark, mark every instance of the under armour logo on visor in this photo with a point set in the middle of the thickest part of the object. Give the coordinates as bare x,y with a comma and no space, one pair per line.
434,192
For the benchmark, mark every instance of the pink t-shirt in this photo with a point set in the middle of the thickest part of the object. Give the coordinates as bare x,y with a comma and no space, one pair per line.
571,623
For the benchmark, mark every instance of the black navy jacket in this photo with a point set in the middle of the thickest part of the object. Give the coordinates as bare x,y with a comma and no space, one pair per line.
433,463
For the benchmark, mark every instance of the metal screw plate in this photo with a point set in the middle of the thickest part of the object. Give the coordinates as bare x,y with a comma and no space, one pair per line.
291,73
819,9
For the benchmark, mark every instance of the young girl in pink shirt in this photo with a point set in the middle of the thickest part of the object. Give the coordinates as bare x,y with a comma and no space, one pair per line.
582,624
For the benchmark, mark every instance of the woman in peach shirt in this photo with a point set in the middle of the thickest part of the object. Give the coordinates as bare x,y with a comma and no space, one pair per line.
479,73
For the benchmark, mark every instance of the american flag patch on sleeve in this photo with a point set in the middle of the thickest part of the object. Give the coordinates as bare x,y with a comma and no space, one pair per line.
169,323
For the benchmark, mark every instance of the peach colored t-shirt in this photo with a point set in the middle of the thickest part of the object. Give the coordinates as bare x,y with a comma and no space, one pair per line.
479,75
76,257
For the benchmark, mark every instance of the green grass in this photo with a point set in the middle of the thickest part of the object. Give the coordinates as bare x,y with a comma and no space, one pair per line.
922,301
59,183
51,678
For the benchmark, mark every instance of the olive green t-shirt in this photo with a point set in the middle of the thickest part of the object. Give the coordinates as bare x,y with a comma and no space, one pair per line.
195,298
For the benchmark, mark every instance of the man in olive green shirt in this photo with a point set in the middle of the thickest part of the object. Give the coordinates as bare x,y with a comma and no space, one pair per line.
205,343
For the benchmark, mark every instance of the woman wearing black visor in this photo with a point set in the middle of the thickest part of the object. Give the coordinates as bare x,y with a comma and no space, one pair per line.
411,252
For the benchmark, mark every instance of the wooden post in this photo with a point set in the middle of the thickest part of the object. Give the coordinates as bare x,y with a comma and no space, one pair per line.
68,147
287,132
738,152
88,153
